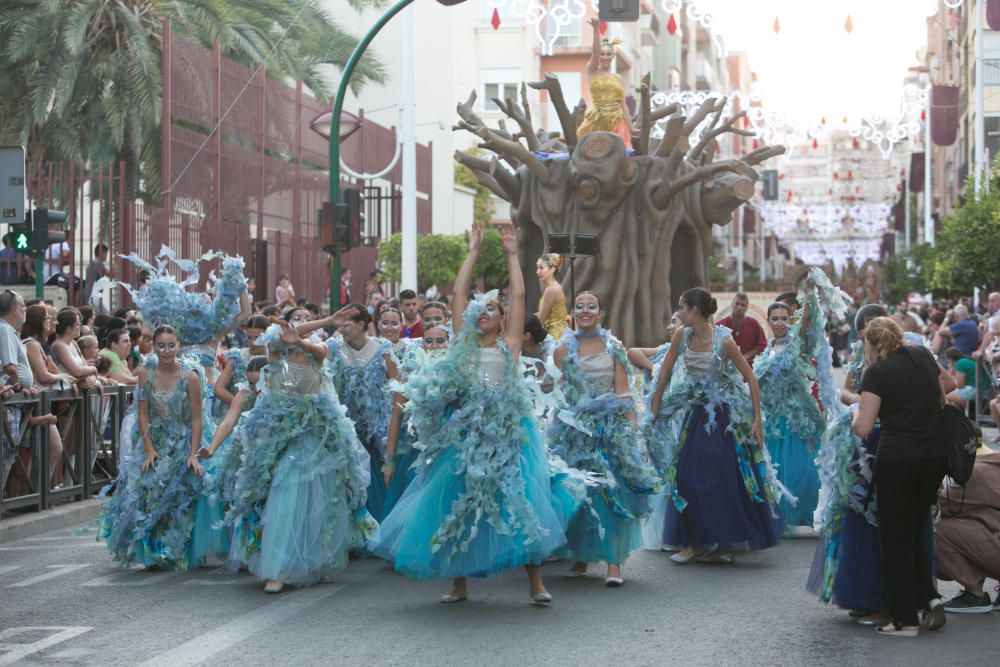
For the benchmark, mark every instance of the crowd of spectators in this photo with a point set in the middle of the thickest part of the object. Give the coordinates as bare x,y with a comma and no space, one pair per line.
70,350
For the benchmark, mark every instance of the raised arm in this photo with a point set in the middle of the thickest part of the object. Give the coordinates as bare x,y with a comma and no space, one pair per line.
666,370
292,338
595,48
463,282
515,318
222,382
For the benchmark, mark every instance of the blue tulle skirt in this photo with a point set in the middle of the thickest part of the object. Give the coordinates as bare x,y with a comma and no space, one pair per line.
858,582
719,512
795,461
377,488
405,537
616,514
305,529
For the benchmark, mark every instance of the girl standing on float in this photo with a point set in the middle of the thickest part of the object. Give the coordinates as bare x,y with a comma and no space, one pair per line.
400,456
151,517
595,432
552,305
847,567
234,373
719,478
361,368
795,360
481,502
299,502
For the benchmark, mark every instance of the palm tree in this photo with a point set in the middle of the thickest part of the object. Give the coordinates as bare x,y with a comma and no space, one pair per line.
80,78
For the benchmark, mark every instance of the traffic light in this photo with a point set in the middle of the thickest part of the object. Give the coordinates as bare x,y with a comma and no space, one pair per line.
20,237
769,179
42,235
620,11
354,217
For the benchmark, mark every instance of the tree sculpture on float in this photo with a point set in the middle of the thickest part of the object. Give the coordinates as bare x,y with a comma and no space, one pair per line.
652,211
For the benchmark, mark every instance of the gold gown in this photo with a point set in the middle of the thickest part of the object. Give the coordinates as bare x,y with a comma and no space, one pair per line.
555,323
606,113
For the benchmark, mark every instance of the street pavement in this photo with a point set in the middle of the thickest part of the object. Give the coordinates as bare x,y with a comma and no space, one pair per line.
64,602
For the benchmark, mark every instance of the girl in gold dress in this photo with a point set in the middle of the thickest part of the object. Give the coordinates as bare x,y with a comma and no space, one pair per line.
552,306
608,111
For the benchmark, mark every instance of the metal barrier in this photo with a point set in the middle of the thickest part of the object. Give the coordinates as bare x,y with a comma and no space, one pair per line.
88,460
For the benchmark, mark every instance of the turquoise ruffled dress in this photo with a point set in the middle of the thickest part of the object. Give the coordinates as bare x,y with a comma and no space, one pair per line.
793,422
592,432
298,507
486,497
362,382
166,517
406,456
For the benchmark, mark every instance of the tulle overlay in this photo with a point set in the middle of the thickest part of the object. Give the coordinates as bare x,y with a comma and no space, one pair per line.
593,433
363,390
795,460
168,516
846,490
485,497
298,505
724,399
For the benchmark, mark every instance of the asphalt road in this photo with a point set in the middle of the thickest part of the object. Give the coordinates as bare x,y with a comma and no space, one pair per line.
64,602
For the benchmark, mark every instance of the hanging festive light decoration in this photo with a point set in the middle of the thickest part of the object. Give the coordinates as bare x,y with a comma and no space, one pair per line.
848,25
780,219
672,25
495,19
777,26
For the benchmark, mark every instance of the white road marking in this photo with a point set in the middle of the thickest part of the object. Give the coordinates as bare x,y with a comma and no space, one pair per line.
4,569
13,652
52,546
127,578
243,627
59,570
62,538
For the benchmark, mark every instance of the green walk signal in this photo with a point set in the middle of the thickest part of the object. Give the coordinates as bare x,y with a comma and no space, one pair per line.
22,242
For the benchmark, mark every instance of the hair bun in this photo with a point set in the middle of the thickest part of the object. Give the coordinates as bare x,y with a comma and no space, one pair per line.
713,306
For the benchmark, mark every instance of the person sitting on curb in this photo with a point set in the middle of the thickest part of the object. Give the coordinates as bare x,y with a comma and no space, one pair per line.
968,536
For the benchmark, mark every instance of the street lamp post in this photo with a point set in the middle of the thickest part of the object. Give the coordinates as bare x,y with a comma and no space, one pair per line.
334,155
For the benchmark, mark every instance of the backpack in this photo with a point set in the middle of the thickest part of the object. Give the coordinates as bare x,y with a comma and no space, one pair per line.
962,437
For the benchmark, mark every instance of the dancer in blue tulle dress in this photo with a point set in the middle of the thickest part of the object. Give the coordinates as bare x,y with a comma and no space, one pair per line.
298,507
483,500
705,439
362,367
595,431
400,456
795,360
156,514
847,566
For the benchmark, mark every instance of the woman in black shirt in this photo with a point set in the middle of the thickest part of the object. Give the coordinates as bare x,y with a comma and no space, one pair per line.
903,387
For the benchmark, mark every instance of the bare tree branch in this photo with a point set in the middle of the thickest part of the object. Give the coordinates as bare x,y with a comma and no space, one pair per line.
668,189
508,181
466,113
645,120
663,112
672,133
507,147
763,153
709,135
551,85
513,111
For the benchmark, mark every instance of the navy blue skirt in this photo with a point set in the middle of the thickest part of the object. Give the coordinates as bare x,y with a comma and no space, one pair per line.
719,512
